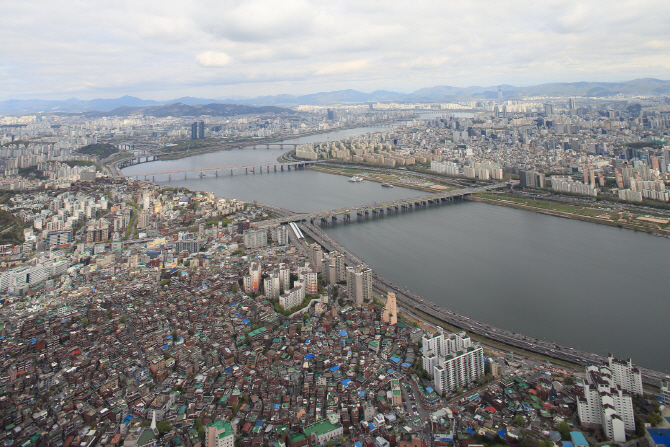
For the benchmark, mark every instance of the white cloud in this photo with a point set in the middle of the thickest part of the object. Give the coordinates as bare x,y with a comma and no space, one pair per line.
172,48
213,59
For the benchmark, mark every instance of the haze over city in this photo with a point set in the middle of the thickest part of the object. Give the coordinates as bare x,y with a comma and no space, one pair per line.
215,49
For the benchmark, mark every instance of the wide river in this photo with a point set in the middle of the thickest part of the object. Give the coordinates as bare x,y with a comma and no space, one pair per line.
580,284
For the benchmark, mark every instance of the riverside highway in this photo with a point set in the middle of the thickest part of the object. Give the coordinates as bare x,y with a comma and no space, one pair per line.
409,302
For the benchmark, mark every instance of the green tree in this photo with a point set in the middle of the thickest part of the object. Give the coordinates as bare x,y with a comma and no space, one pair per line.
201,430
122,320
84,322
518,419
164,427
235,288
174,336
564,430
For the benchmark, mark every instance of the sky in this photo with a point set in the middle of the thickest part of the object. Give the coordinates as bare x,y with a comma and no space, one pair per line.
54,49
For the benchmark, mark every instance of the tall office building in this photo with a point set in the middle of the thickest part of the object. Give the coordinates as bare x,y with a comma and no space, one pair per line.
390,315
201,129
500,96
548,110
359,283
571,104
194,131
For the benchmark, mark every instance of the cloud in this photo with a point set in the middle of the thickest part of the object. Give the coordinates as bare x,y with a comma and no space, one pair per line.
173,48
213,59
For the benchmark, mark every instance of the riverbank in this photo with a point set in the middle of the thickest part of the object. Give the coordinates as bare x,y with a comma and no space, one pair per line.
401,179
602,216
216,145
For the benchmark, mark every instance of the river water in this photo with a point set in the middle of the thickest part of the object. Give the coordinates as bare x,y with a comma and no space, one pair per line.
584,285
589,286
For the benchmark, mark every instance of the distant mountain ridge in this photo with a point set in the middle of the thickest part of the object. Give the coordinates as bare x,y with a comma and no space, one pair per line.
646,86
181,109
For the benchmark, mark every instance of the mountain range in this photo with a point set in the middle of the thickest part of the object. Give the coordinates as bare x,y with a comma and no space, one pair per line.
185,106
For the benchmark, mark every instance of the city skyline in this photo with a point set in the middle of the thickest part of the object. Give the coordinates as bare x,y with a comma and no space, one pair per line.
168,50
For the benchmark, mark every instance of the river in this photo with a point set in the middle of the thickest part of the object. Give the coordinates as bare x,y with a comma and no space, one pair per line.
585,285
589,286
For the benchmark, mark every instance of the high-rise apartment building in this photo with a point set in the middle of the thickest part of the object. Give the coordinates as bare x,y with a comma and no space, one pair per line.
255,238
359,283
390,314
336,270
452,360
606,403
271,286
315,255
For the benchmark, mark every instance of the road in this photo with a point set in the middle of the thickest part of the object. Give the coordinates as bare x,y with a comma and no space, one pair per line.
408,300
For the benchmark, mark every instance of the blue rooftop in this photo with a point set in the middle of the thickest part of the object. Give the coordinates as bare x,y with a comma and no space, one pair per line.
471,431
429,389
578,439
343,333
395,359
309,356
346,382
567,444
334,368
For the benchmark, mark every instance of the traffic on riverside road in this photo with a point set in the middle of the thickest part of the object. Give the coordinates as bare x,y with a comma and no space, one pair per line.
409,301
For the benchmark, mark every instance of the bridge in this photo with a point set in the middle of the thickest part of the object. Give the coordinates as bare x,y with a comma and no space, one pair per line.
153,155
378,208
269,167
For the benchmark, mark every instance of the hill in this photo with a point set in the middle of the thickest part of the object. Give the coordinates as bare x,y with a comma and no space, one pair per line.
180,109
102,150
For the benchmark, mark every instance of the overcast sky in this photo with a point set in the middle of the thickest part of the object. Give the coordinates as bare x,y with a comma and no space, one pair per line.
165,49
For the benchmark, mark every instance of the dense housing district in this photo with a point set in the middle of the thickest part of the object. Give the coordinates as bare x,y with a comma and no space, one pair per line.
163,318
135,314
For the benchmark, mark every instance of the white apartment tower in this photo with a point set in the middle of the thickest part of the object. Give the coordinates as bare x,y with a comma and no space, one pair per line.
453,360
606,403
271,286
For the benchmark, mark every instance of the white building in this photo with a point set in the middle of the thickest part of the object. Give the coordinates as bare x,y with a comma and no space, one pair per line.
452,360
280,235
255,238
284,277
606,403
293,297
271,286
219,434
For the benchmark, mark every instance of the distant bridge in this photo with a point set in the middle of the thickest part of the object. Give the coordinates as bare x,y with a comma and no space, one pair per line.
378,208
269,167
149,156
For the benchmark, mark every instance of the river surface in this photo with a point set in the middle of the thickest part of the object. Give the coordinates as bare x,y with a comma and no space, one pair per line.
580,284
584,285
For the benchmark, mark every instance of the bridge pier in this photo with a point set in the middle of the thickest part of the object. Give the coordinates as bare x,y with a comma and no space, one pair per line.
275,168
282,168
184,176
246,170
169,177
216,173
289,167
269,168
153,179
324,220
334,218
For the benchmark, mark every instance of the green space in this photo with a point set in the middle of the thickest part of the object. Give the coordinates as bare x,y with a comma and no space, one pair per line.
102,150
11,229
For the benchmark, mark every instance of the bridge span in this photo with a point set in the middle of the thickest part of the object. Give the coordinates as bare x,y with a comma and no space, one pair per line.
378,208
269,167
